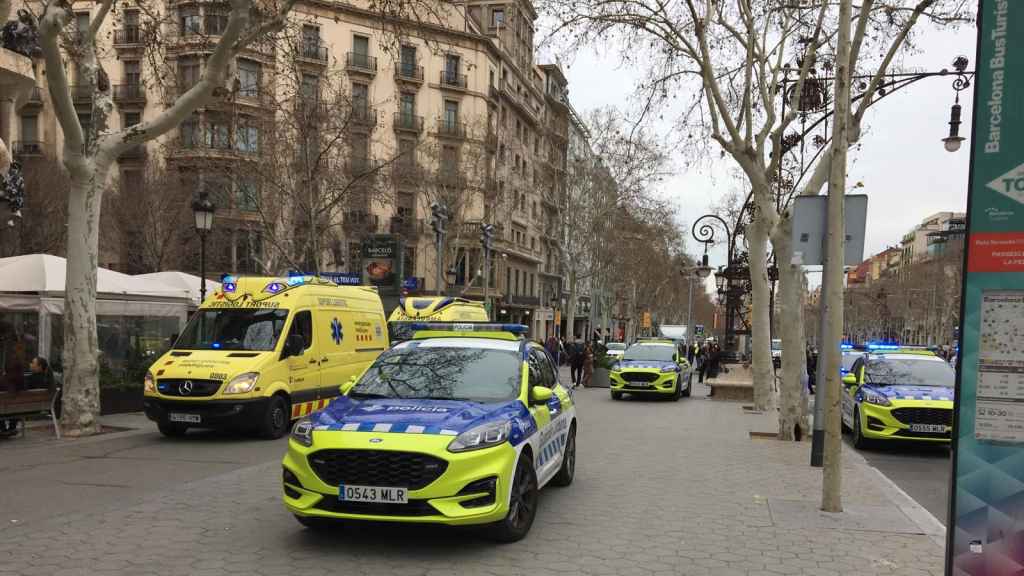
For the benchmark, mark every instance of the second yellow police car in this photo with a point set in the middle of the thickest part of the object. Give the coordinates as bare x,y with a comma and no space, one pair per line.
463,424
894,393
651,367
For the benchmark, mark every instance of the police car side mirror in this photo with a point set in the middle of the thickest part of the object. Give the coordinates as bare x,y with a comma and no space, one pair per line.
540,395
347,386
850,380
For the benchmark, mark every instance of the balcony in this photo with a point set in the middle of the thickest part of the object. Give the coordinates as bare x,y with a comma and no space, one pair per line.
359,167
81,94
452,80
130,93
361,63
409,72
128,37
451,129
359,223
451,179
136,152
405,122
410,228
363,117
30,148
312,108
407,173
35,98
311,51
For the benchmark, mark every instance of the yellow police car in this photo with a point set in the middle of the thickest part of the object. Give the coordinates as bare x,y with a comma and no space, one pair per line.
894,393
651,367
462,424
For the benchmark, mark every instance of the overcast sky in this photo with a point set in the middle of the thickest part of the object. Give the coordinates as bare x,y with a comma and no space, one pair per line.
907,174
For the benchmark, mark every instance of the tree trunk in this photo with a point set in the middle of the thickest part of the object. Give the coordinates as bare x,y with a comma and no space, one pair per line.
81,388
571,312
831,486
792,393
761,337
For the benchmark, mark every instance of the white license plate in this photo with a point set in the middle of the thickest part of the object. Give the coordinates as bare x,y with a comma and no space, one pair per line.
376,494
927,428
189,418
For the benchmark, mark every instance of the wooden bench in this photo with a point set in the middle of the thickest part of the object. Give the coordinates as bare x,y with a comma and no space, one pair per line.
16,406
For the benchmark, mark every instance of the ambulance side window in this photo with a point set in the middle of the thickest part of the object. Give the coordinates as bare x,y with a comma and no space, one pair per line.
300,335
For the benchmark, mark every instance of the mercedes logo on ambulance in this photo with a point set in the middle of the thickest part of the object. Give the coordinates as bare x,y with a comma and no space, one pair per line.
185,388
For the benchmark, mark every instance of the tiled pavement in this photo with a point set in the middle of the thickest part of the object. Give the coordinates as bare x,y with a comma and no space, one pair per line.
662,488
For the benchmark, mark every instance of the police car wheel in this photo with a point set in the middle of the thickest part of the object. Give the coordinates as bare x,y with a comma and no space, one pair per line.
859,441
315,523
276,419
567,472
522,505
172,429
616,395
689,387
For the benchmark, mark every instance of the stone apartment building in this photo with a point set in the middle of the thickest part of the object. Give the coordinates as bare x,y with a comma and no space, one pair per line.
456,88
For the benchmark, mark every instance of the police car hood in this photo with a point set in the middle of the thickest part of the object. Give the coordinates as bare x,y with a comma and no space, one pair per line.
907,392
645,365
449,417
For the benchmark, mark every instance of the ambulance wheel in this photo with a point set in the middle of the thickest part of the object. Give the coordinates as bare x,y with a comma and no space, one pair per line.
568,470
616,395
276,419
172,429
522,508
318,524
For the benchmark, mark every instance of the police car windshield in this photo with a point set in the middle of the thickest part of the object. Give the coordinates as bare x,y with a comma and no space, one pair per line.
657,352
909,372
442,373
255,329
616,346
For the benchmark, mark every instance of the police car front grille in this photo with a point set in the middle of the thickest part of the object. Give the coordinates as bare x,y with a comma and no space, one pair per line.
376,468
330,503
178,387
639,376
942,416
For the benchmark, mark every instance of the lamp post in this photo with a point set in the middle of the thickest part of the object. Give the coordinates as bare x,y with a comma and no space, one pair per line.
704,232
203,211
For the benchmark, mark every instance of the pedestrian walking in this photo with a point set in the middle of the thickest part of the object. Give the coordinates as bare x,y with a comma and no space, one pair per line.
701,357
588,365
552,347
576,361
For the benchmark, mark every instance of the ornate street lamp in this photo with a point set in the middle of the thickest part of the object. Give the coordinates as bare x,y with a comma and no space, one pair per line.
962,82
704,232
203,211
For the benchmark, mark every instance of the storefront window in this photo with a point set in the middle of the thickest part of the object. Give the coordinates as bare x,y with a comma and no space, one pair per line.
19,343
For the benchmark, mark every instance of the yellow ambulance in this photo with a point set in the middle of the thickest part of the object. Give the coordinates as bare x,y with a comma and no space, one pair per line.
263,351
416,310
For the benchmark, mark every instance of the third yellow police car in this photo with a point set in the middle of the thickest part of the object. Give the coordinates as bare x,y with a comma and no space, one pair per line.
651,367
462,424
895,393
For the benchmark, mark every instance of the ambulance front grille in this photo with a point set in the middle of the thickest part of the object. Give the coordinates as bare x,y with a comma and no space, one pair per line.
188,388
376,468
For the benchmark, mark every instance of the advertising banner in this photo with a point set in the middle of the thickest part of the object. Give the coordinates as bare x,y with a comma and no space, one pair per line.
986,526
380,260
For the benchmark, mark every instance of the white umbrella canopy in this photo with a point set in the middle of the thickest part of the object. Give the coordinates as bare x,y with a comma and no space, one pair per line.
183,281
44,273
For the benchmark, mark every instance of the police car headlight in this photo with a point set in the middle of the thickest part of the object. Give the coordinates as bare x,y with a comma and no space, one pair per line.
242,383
302,432
668,369
483,436
148,383
876,399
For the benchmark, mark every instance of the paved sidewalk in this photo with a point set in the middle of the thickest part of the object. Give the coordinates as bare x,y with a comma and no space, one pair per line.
662,488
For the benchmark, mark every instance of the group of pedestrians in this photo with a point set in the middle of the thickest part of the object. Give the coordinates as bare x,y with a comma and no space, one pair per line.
578,354
706,359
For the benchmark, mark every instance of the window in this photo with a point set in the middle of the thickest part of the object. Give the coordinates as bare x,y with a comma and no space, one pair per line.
302,327
132,73
309,90
407,110
188,72
406,207
131,19
216,21
247,139
361,45
248,78
29,129
247,195
360,99
451,114
360,151
451,69
82,22
407,62
497,17
249,247
310,36
190,134
132,118
189,21
407,153
517,283
218,133
449,160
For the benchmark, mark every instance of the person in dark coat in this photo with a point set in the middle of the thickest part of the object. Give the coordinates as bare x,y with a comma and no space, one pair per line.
576,361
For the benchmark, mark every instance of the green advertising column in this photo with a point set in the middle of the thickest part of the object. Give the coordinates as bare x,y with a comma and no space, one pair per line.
986,527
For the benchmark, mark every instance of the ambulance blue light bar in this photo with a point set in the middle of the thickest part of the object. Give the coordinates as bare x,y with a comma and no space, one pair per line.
471,327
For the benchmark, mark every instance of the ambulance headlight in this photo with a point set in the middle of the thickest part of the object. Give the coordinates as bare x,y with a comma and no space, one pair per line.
303,432
149,384
243,383
483,436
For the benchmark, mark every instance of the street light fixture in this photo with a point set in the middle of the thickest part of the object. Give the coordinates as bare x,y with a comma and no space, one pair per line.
962,82
202,210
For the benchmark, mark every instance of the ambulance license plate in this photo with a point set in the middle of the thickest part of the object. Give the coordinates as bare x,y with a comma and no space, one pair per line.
375,494
188,418
927,428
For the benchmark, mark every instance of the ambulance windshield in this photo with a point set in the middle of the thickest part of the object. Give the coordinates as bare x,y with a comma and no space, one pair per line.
255,329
